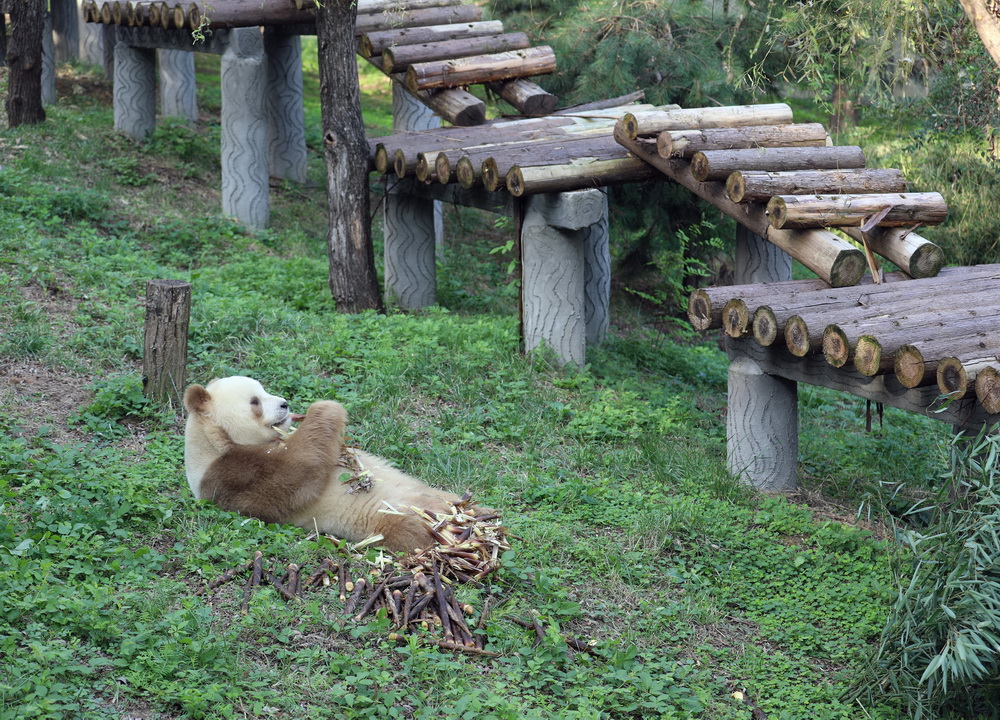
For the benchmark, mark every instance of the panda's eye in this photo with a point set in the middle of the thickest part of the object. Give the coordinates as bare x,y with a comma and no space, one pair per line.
255,401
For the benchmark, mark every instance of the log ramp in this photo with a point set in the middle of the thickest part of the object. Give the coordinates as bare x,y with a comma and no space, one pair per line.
923,339
435,48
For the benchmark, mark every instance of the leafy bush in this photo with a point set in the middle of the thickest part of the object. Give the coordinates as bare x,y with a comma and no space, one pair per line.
939,650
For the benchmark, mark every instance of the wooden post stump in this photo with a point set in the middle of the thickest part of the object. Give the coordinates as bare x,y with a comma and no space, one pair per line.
164,356
762,432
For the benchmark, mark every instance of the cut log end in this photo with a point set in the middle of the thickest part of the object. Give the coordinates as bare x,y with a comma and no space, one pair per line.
424,169
951,377
797,336
699,167
492,180
765,326
777,211
736,186
909,366
736,318
700,310
988,389
868,356
848,268
399,163
630,126
515,181
442,167
465,171
382,165
926,261
836,347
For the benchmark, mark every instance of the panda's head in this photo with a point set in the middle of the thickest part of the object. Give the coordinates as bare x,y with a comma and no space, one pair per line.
240,407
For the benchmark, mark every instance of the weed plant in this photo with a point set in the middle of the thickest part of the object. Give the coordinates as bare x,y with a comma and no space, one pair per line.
939,649
612,477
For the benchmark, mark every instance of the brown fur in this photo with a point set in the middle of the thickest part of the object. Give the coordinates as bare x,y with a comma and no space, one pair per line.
299,480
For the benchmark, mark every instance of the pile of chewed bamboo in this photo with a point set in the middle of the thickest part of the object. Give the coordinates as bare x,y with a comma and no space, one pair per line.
787,183
435,48
944,329
416,592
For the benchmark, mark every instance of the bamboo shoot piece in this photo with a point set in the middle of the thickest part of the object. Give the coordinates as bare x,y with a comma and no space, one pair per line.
685,143
480,69
758,186
719,164
643,124
809,211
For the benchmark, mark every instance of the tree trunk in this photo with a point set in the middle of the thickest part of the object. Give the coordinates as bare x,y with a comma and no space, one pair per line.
24,58
353,281
750,186
718,164
685,143
987,24
903,209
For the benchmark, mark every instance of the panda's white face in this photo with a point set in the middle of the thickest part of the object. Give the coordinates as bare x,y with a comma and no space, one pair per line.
246,411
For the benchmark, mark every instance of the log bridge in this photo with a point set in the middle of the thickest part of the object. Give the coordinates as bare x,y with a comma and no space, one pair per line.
792,193
925,339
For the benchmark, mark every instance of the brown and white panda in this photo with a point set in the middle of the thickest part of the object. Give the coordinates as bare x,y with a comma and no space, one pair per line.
238,454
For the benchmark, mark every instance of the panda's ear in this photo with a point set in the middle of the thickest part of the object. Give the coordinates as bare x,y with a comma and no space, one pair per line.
197,399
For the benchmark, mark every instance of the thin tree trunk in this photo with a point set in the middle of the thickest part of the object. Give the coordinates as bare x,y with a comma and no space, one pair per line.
24,58
353,281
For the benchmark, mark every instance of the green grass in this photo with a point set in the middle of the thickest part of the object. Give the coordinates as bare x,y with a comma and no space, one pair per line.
612,477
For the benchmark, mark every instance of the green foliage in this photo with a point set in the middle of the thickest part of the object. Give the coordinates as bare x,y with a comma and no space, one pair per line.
940,646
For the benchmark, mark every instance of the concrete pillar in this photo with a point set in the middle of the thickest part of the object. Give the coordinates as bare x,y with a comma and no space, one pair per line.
762,432
554,235
597,277
48,63
65,29
135,90
177,86
243,76
411,226
286,116
91,39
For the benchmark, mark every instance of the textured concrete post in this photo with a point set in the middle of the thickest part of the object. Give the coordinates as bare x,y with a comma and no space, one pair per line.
243,75
48,63
177,86
762,430
554,236
91,39
286,116
410,225
65,29
135,90
597,276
